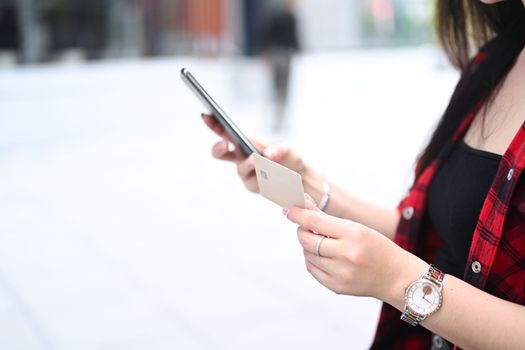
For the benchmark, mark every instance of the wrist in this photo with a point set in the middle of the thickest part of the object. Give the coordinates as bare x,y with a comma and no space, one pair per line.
411,268
313,183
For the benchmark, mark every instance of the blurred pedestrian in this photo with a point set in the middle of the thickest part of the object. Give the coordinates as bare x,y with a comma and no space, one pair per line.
9,31
451,256
278,43
272,30
78,24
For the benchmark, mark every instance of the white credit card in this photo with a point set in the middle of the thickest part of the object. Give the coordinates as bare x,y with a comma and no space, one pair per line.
278,183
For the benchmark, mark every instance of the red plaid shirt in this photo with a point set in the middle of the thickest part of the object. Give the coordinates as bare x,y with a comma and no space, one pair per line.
496,262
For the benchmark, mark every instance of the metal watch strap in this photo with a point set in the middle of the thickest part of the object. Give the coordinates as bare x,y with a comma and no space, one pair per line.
435,275
411,317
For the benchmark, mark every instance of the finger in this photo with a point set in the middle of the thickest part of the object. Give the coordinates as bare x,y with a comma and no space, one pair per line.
246,168
328,246
210,121
310,203
221,150
329,266
252,185
217,128
320,275
259,145
318,221
276,152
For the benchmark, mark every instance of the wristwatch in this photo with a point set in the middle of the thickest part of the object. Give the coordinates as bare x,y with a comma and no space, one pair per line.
423,297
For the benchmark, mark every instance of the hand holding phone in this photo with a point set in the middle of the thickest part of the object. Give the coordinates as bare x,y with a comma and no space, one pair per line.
272,180
234,133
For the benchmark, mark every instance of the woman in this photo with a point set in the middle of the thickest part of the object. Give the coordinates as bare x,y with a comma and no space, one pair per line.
465,213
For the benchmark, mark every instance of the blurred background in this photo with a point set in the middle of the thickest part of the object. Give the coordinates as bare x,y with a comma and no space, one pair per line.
50,30
117,228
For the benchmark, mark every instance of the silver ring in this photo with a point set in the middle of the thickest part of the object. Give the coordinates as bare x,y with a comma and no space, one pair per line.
318,245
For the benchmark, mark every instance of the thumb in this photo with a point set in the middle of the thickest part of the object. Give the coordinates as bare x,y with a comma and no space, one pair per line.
275,152
310,203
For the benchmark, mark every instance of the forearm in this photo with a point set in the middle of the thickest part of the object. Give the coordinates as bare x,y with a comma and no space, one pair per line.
469,317
346,206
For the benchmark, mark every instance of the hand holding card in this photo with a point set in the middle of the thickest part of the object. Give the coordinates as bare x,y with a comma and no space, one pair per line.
279,184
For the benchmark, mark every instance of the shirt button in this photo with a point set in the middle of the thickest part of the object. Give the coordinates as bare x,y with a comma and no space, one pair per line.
408,212
509,174
437,342
476,267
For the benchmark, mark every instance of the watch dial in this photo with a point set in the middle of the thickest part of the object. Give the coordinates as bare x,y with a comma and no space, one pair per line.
423,297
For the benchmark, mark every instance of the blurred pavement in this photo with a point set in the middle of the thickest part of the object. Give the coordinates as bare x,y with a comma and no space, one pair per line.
119,231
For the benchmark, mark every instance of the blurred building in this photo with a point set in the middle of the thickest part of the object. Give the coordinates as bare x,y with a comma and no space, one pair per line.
47,30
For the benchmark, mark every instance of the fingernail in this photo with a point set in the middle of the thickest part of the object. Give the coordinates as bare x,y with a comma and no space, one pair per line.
286,211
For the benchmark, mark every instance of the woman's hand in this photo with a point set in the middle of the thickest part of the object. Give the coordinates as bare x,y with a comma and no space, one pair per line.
353,259
225,150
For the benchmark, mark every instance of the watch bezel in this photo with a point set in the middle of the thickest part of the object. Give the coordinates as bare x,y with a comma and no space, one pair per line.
440,295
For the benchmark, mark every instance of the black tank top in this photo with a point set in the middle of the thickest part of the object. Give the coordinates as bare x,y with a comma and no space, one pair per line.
455,199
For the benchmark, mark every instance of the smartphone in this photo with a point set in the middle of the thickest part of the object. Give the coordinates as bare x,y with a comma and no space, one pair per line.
235,134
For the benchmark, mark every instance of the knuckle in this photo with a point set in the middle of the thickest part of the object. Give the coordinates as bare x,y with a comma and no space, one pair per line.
308,256
338,289
311,220
251,185
359,256
309,267
348,255
359,253
242,170
215,152
303,239
360,233
354,256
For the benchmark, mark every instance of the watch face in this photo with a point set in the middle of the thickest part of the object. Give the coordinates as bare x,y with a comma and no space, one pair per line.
423,297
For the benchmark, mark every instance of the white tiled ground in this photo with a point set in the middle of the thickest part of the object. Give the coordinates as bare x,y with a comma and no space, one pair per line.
118,230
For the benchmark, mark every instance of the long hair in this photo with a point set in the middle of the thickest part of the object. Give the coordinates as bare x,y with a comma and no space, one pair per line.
463,27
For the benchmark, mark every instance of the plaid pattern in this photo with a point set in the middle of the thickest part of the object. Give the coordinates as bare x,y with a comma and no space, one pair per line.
496,262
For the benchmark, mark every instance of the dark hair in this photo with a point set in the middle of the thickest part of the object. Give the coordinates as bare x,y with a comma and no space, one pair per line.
463,27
